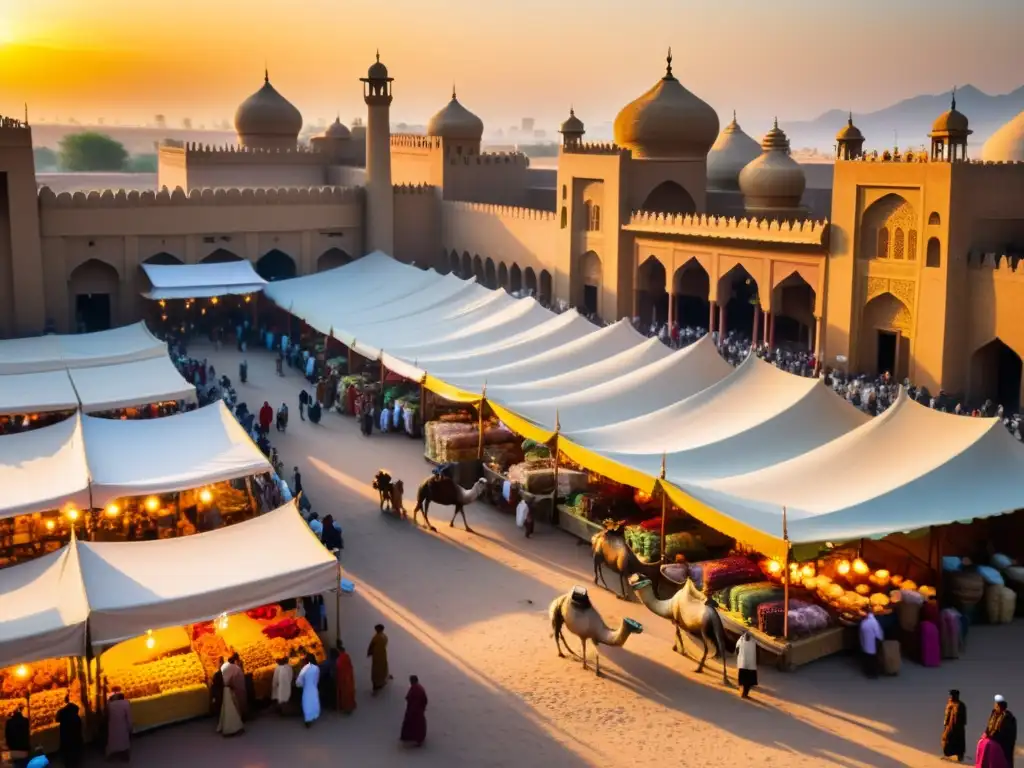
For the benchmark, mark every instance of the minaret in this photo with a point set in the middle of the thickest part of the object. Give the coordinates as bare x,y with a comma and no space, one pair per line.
380,196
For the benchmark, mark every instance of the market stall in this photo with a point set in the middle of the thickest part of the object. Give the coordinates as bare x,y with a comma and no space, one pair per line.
80,350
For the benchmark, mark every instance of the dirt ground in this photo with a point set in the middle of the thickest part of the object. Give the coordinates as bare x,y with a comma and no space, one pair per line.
468,614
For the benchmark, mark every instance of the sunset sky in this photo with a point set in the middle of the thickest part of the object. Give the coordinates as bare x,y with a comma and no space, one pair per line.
129,59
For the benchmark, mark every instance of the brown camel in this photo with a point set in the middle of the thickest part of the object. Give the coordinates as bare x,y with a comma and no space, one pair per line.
443,490
610,549
383,485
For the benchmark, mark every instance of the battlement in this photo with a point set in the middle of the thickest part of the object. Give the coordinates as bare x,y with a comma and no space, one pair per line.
596,148
491,158
195,153
120,198
11,123
918,156
504,211
1003,264
415,141
805,232
415,189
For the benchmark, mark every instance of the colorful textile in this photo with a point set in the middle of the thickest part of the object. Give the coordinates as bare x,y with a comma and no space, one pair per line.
719,574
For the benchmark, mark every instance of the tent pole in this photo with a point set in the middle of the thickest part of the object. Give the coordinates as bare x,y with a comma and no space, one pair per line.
480,423
84,683
785,578
382,373
252,497
554,493
337,605
664,511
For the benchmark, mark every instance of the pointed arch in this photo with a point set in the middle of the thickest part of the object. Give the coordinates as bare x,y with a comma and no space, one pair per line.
651,296
591,277
163,258
883,339
669,197
503,276
93,288
515,279
793,303
934,219
332,258
490,276
276,265
530,281
995,374
691,288
933,257
220,256
884,227
544,293
739,292
467,266
478,270
455,264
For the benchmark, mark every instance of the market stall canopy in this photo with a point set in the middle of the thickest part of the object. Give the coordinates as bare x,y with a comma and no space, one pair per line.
140,585
198,281
173,453
43,609
80,350
44,469
104,388
910,468
43,392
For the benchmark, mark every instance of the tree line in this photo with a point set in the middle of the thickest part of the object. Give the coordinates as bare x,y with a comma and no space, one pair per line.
91,151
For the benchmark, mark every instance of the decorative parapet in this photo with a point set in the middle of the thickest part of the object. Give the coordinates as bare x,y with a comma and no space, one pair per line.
415,141
503,211
805,232
596,148
12,123
414,189
1000,263
236,154
918,156
491,158
120,198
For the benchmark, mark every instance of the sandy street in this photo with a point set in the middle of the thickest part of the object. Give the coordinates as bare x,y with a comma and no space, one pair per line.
468,614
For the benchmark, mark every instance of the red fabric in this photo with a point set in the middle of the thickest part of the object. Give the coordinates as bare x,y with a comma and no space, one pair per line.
414,726
931,652
266,416
286,628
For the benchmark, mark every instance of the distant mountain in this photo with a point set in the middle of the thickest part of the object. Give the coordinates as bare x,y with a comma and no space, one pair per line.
911,119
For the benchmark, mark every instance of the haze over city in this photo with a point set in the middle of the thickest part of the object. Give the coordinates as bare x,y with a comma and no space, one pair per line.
125,61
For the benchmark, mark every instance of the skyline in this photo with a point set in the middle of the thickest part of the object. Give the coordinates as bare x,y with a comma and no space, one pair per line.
117,60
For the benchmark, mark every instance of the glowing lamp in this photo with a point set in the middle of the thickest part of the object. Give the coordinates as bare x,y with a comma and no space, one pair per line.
807,571
205,496
113,510
22,671
163,303
248,299
844,568
50,525
150,640
152,504
72,514
882,574
860,567
774,566
203,311
213,300
164,318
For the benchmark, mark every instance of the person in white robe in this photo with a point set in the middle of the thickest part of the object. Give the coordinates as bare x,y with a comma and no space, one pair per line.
281,684
746,663
309,681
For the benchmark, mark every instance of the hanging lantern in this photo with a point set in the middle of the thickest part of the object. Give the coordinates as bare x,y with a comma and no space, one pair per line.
113,510
72,514
844,568
205,496
774,567
152,504
50,525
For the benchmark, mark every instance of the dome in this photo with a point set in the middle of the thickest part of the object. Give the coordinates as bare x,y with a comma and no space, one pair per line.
455,122
1007,144
572,124
267,114
951,121
337,130
850,132
731,152
667,121
774,181
377,71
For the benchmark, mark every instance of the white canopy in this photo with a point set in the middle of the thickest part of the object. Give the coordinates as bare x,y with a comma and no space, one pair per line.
124,385
43,609
173,453
44,469
140,585
43,392
54,353
195,281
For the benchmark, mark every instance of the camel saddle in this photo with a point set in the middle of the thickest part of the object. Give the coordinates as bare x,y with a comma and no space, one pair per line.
580,598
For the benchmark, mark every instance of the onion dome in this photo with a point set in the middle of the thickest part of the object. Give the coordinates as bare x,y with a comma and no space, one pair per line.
774,181
268,116
731,152
850,132
951,122
1007,144
667,121
377,71
337,130
572,125
456,123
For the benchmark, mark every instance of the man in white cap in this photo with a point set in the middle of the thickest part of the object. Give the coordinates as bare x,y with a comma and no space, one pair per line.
1002,728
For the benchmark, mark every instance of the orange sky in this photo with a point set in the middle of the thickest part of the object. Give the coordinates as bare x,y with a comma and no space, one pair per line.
127,60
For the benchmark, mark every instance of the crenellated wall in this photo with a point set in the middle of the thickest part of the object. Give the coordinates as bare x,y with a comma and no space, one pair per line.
759,230
418,225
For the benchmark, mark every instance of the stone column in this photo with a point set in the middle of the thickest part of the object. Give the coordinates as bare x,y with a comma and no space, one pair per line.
721,323
757,324
712,306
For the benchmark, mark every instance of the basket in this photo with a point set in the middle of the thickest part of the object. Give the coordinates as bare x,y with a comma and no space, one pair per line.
966,589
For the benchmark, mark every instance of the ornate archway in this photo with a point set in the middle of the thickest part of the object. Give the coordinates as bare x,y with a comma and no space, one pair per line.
884,336
792,320
276,265
739,297
332,258
996,375
888,230
669,197
691,287
92,287
651,296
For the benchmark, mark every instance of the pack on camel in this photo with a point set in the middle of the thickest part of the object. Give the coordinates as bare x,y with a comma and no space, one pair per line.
574,611
441,489
610,550
688,610
391,492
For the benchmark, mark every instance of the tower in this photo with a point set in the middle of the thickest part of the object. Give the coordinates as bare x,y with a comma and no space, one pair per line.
849,141
949,134
380,196
572,131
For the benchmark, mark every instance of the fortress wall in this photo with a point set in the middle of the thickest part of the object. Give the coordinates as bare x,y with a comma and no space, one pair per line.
508,234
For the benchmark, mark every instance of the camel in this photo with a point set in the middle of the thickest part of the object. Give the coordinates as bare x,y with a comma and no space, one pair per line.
383,485
690,610
610,549
439,489
573,610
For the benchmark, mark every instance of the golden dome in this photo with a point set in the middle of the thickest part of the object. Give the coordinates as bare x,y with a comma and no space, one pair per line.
337,130
377,71
774,181
730,154
850,132
267,114
455,122
951,121
572,124
1007,144
667,122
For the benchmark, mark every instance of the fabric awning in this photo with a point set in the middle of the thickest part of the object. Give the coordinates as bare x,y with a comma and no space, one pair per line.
43,392
124,385
195,281
172,453
54,353
43,609
140,585
44,469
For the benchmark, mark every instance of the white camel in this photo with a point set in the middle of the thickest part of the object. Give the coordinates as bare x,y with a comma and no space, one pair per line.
574,611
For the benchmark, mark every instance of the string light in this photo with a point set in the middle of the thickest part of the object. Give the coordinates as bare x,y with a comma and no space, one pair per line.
50,525
72,514
774,566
